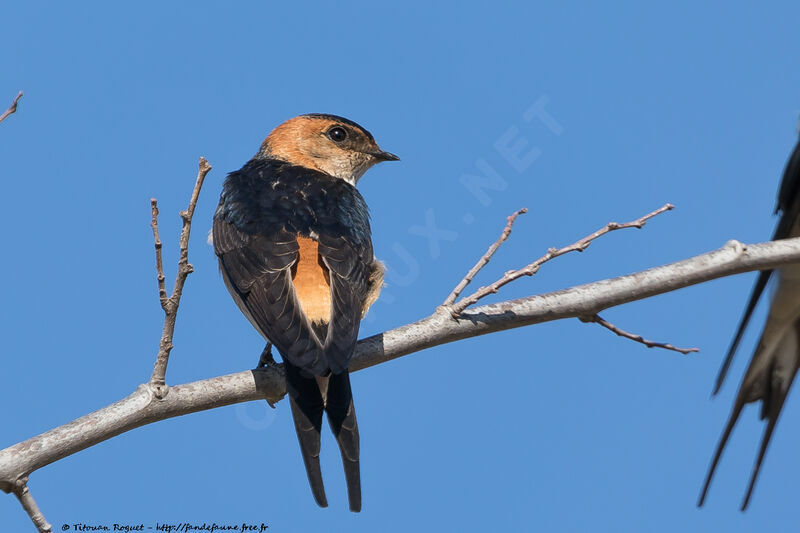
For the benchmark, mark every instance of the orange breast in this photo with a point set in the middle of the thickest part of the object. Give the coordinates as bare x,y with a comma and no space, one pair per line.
312,282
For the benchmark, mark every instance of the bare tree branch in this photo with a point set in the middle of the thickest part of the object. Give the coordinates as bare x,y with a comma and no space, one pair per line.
485,258
12,108
29,504
552,253
170,305
151,402
634,337
144,407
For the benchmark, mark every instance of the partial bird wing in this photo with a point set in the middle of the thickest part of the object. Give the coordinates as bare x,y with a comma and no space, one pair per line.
257,270
787,195
755,295
777,356
790,186
350,268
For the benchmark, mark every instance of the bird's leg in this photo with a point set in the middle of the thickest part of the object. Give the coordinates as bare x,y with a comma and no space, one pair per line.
266,358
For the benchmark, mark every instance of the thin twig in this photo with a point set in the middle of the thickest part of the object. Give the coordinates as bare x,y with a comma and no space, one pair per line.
552,253
12,108
634,337
162,291
170,305
29,504
485,259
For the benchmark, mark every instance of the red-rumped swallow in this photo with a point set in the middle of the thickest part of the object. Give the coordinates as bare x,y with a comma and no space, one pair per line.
777,356
294,244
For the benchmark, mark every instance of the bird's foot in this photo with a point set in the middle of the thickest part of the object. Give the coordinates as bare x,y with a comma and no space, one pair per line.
266,358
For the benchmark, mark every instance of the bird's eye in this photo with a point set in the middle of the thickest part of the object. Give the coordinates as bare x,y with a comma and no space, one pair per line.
337,134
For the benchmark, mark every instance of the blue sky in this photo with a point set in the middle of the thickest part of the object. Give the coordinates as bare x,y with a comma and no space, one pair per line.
557,427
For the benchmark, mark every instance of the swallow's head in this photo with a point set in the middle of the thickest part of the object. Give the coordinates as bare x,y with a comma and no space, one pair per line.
328,143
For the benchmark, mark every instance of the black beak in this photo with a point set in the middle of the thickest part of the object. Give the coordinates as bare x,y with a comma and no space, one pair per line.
380,155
